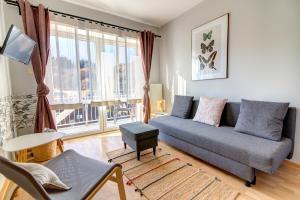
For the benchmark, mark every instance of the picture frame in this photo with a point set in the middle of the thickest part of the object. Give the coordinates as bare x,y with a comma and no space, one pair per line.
210,49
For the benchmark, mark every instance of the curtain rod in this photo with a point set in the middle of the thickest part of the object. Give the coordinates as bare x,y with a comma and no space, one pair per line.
14,3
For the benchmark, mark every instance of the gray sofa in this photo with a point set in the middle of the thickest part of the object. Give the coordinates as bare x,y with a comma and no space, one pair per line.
238,153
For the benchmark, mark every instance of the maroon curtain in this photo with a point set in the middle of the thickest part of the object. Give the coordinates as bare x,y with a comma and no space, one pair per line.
37,26
146,42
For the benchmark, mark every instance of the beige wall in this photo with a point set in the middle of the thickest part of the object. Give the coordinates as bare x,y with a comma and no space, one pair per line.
22,78
264,53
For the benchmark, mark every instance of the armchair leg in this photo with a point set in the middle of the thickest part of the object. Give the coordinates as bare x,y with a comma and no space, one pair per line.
119,177
115,176
248,184
8,190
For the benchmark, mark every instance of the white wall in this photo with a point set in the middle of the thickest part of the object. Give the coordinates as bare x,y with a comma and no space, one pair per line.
22,78
4,71
264,53
5,88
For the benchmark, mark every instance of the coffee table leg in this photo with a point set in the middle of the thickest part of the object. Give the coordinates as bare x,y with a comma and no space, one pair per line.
138,155
154,150
125,145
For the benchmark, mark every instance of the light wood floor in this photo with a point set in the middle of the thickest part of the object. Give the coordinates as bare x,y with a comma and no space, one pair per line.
283,185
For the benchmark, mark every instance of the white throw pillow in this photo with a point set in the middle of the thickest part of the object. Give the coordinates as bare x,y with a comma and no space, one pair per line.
45,176
210,110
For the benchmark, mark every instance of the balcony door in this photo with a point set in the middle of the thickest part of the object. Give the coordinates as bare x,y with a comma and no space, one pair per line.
95,78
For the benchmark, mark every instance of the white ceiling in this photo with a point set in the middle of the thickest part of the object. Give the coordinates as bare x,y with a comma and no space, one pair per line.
152,12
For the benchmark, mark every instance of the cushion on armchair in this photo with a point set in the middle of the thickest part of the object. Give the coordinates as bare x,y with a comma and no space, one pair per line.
45,176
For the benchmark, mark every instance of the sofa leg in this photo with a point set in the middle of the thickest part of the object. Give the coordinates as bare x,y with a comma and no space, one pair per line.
254,181
138,155
249,183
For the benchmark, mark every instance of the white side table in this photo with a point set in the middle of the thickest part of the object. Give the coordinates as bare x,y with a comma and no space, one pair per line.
20,145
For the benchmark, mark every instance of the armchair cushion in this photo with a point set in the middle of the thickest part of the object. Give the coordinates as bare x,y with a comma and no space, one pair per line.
83,174
45,176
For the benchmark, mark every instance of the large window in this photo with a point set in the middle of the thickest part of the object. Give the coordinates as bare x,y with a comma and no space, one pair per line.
91,71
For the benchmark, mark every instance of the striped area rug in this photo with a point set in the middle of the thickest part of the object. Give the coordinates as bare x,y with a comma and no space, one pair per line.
166,177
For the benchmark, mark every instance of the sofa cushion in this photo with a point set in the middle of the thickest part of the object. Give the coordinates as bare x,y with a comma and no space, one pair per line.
260,153
262,119
182,106
210,110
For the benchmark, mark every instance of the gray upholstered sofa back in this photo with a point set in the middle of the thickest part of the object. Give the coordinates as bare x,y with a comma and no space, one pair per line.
231,114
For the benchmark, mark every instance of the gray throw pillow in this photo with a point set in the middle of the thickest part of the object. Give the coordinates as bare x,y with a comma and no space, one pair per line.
262,119
45,176
182,106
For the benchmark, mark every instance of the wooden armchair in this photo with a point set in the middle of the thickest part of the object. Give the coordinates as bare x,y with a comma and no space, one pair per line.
85,175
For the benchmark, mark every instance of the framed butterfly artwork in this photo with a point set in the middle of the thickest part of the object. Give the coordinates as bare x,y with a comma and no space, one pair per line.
210,49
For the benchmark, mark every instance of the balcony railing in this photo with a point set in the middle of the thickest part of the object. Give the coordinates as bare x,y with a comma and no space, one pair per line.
96,116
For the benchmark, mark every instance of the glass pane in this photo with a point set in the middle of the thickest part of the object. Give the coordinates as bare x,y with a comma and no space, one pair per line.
128,73
84,64
109,88
135,71
95,39
67,72
91,65
121,70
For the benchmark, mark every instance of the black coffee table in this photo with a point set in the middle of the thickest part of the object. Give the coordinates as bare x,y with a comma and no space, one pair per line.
139,136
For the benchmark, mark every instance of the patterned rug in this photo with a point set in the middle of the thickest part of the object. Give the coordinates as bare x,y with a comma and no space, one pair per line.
166,177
